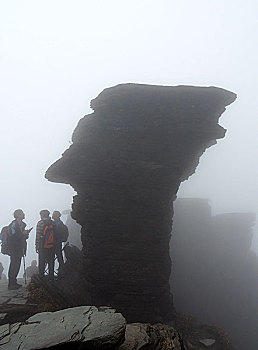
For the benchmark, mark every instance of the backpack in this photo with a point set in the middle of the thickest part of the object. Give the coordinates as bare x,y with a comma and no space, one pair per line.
62,232
4,240
48,236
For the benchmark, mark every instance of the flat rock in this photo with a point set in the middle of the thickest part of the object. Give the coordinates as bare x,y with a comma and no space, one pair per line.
96,328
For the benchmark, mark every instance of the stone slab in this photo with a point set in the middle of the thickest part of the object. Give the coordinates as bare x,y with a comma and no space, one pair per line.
83,324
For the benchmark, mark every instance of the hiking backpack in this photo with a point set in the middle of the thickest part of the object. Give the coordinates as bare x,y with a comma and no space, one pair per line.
4,240
48,236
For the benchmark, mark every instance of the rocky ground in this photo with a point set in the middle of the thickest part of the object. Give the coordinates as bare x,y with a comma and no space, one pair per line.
38,316
14,304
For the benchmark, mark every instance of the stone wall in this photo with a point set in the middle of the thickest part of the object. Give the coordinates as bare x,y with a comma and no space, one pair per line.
126,163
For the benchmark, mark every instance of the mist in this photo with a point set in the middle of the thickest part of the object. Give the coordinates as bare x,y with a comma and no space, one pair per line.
57,56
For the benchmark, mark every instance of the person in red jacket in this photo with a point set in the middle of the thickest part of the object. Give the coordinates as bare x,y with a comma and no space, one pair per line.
45,243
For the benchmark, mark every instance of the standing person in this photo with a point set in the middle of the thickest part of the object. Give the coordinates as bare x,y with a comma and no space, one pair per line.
45,243
61,236
17,236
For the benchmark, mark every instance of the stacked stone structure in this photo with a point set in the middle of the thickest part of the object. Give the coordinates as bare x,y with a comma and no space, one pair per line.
126,163
215,273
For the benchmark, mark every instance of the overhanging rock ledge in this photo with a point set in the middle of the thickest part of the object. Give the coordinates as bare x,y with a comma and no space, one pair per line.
126,163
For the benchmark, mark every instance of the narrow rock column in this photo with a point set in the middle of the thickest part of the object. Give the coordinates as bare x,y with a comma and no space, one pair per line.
126,163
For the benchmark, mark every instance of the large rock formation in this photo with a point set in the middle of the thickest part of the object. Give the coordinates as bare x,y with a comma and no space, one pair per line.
215,274
126,163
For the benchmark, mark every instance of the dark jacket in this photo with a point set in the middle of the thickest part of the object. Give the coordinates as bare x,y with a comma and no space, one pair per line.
61,232
16,239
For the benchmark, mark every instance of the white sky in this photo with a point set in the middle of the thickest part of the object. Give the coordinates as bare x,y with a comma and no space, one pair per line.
56,55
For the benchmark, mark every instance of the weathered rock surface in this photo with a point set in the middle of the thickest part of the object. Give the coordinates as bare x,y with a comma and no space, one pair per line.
140,336
126,163
197,336
190,330
83,327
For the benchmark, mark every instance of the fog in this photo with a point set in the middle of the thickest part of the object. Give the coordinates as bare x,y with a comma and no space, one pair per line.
55,56
214,274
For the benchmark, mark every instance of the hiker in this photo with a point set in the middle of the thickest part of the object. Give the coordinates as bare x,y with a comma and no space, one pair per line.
61,236
45,243
31,270
17,245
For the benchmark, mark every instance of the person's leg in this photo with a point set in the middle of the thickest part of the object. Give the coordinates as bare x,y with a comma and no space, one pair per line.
17,266
51,263
14,267
59,255
42,261
11,277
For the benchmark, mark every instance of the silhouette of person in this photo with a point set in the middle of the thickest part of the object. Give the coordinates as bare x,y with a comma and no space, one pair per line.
61,236
17,246
32,269
45,243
